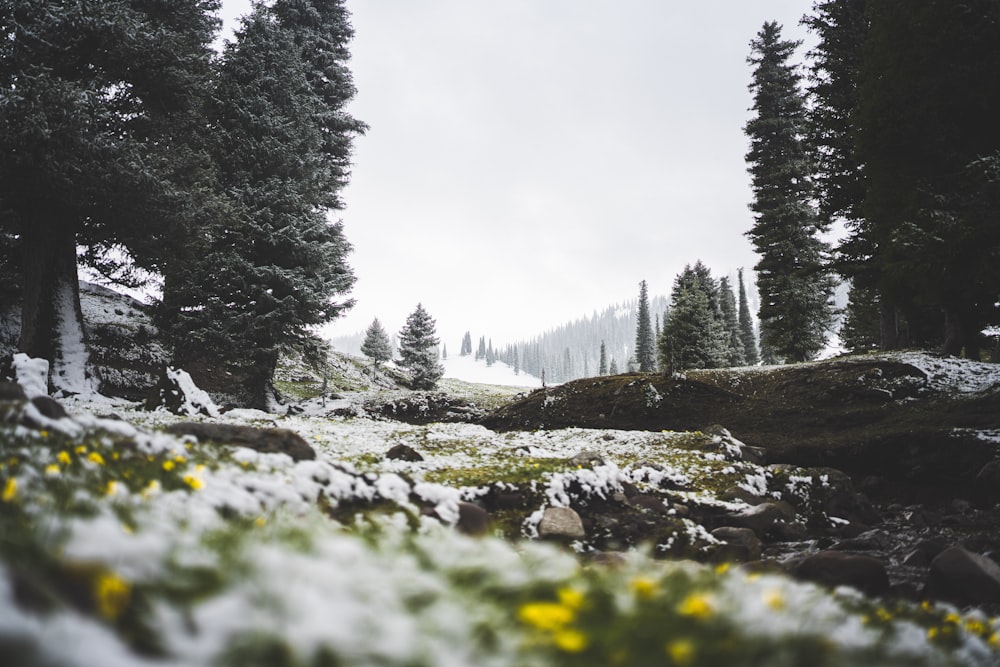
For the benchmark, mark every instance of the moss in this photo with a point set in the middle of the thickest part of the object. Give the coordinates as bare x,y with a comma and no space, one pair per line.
518,471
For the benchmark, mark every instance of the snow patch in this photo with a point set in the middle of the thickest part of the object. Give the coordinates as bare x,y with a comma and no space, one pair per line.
32,374
195,401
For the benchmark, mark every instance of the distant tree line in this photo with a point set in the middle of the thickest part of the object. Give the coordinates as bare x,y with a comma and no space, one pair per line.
895,135
123,134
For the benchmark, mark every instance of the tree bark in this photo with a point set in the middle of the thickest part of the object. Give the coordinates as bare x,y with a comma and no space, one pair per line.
888,329
51,318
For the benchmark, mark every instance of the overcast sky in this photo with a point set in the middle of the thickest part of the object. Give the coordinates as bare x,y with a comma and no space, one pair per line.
530,161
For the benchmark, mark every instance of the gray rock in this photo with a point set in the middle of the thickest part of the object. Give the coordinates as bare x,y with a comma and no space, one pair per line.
49,407
266,440
403,452
962,577
586,459
650,503
561,523
472,520
762,519
12,391
743,544
836,568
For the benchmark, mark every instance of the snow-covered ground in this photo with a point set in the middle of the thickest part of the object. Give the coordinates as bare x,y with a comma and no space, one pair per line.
467,368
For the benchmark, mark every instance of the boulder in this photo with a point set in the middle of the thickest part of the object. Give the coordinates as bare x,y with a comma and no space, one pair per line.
403,452
586,459
177,393
837,568
561,523
741,545
964,578
649,503
266,440
763,519
12,391
49,407
472,520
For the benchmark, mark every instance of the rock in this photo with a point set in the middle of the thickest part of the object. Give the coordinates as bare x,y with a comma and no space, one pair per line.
177,393
49,407
741,544
836,568
561,523
738,493
963,578
472,520
762,519
12,391
609,559
586,459
986,486
266,440
872,540
403,452
923,553
650,503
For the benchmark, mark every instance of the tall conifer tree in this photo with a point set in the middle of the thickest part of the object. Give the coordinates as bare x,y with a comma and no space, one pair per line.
747,335
418,349
795,311
645,344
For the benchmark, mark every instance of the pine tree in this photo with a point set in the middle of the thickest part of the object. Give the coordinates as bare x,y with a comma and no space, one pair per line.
645,350
99,107
282,138
694,335
613,368
795,311
747,334
481,350
735,354
444,352
376,345
466,345
861,330
602,369
418,349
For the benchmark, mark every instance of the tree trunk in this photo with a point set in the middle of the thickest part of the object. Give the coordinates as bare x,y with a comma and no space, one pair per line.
51,319
887,324
954,334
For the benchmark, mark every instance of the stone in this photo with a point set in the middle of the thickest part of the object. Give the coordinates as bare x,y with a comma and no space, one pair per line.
871,540
610,559
403,452
739,494
649,503
742,542
561,523
472,520
12,391
49,407
586,459
837,568
265,440
177,393
762,519
964,578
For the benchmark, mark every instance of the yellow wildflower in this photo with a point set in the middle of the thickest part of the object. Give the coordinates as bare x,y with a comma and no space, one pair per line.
570,597
94,457
975,626
952,619
194,482
111,488
64,458
52,470
111,595
681,652
168,465
696,606
722,568
179,459
200,468
9,490
80,449
570,641
43,434
547,616
932,633
643,587
774,599
260,521
994,640
115,455
883,614
151,489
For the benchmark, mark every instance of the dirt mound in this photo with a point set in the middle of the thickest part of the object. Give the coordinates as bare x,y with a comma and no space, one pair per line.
865,415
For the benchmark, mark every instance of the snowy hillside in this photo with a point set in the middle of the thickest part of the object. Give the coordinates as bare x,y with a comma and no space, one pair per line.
470,370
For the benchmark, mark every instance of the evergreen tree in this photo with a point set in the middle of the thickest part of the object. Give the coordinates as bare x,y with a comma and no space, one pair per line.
694,335
99,104
735,355
481,350
517,363
466,345
418,349
929,143
444,352
645,350
613,368
747,335
276,267
861,330
490,354
602,369
376,345
795,311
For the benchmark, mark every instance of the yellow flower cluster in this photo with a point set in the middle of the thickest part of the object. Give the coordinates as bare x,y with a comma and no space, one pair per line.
554,620
9,490
697,605
111,595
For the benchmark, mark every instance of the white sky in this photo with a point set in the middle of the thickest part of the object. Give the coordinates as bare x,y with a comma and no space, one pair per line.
530,161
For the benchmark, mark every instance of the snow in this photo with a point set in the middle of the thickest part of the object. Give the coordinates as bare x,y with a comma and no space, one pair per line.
31,374
195,400
69,371
468,369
